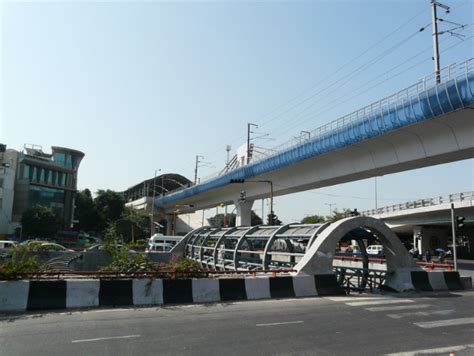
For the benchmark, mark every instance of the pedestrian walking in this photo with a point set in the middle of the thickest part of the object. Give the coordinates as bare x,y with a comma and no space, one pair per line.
428,256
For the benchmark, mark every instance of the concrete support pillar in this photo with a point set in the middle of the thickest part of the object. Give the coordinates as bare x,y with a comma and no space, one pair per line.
243,212
418,239
170,221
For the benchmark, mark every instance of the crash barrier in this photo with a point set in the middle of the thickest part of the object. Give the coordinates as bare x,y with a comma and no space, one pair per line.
29,295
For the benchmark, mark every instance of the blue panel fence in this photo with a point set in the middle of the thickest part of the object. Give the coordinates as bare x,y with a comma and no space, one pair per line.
424,100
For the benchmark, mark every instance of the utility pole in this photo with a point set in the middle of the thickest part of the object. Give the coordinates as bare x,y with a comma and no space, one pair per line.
196,167
434,25
152,220
227,148
375,183
249,126
453,223
330,207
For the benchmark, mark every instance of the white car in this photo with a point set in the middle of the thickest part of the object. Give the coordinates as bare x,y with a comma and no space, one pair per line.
375,250
159,247
7,244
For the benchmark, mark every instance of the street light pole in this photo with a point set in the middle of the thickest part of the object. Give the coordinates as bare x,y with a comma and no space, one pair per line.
152,220
453,227
249,126
196,167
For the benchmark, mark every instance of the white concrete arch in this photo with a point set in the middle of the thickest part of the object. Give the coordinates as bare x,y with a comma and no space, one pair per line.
319,258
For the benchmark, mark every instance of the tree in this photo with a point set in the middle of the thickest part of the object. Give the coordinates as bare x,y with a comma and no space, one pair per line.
110,205
255,219
134,224
40,221
272,219
218,220
339,215
86,213
313,219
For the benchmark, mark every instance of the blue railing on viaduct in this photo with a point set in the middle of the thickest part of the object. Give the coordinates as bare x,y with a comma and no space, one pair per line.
424,100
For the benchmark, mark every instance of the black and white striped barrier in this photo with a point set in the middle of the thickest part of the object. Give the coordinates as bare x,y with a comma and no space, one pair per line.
63,294
435,281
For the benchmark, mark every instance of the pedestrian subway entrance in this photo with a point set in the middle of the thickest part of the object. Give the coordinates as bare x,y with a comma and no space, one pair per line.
305,249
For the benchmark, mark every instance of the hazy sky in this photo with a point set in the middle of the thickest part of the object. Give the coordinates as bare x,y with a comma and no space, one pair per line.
145,85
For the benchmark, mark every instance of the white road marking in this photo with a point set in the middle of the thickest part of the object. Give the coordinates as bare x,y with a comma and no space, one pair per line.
281,323
106,338
96,311
353,299
439,350
379,302
448,322
421,313
397,307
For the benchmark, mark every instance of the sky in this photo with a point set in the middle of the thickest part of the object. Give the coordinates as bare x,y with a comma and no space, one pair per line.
145,85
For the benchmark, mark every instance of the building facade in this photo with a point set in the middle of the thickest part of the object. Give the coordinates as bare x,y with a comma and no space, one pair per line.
32,177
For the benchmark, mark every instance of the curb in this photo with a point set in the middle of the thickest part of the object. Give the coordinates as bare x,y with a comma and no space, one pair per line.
83,293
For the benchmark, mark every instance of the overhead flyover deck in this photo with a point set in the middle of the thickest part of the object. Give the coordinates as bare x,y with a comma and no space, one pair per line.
401,114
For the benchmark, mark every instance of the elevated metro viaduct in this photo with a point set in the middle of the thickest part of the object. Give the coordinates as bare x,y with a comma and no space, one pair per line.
423,125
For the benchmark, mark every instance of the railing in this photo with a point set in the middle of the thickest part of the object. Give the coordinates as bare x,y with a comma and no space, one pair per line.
359,279
430,266
166,274
447,73
451,198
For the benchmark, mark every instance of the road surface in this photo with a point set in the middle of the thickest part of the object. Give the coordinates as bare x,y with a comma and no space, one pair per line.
430,323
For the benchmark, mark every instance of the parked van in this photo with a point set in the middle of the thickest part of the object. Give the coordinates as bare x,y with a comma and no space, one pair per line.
162,243
375,250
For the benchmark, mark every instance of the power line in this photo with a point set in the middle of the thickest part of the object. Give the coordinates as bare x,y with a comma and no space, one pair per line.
351,75
321,111
326,78
355,73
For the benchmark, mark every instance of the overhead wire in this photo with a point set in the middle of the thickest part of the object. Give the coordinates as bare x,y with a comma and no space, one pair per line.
351,75
328,105
349,78
326,78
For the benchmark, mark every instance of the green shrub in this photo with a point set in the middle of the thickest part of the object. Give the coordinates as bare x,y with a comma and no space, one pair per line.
12,268
184,268
138,245
124,261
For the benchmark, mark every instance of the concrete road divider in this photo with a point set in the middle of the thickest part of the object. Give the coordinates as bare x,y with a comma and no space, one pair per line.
14,295
206,290
257,288
304,286
147,291
435,281
82,293
62,294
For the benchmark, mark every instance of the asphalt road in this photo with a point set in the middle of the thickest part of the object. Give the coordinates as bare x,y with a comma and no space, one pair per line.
432,323
466,268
